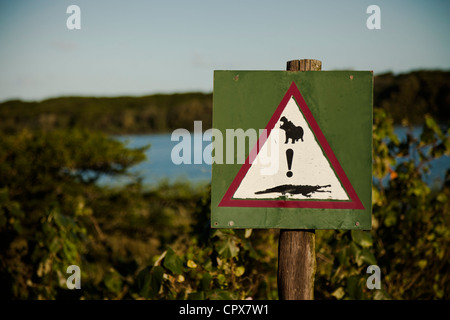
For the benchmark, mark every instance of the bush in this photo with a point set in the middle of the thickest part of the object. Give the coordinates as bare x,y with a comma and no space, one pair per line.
47,184
135,243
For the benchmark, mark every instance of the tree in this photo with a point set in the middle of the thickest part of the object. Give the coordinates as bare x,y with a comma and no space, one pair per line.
46,182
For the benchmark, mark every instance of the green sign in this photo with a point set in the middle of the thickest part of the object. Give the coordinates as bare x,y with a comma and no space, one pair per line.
292,150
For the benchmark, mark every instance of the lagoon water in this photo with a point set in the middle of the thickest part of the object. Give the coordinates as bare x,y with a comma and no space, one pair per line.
159,166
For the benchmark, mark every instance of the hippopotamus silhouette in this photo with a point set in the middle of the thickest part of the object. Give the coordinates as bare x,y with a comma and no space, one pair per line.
293,132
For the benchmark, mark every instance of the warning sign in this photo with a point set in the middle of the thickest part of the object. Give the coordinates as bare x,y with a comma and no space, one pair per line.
307,167
293,171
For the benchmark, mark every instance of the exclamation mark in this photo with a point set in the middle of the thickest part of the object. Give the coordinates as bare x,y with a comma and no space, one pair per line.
289,156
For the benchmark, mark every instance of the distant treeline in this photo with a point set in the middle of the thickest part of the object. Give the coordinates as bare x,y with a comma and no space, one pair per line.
411,95
405,96
118,115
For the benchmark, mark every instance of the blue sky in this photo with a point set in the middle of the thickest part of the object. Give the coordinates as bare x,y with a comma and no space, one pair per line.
139,47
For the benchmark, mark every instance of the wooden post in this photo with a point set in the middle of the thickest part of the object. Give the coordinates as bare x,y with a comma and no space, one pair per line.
296,248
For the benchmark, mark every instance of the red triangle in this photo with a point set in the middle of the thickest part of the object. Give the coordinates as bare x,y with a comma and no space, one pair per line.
354,203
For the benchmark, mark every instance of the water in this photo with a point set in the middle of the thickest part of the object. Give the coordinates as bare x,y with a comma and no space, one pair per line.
159,166
438,167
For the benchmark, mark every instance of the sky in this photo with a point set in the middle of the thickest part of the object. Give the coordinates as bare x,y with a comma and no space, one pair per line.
141,47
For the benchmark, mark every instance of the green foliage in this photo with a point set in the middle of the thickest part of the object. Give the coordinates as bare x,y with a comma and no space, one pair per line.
410,237
212,264
412,220
136,243
228,266
46,186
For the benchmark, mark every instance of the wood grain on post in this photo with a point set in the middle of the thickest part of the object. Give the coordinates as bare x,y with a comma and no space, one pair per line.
296,248
304,65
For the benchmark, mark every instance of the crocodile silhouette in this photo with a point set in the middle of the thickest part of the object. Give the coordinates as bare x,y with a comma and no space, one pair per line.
293,189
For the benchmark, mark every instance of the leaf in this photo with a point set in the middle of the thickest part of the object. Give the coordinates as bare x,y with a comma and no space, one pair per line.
239,271
227,247
206,282
431,123
381,295
157,278
173,262
422,264
355,251
180,278
368,257
338,293
191,264
343,256
149,281
362,238
354,287
439,291
377,198
391,219
113,281
442,197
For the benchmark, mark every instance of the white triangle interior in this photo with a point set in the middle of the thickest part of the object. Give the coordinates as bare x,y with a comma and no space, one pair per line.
310,168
